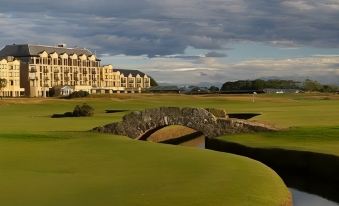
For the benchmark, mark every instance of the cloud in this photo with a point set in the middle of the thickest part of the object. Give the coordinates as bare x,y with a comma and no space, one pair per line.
215,54
203,74
209,69
167,27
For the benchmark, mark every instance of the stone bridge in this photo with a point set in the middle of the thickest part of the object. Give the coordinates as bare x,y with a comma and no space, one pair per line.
210,122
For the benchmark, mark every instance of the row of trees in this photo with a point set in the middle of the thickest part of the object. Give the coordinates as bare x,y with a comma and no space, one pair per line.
258,84
314,86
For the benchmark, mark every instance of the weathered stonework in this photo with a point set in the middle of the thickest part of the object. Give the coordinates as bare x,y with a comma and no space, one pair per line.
140,124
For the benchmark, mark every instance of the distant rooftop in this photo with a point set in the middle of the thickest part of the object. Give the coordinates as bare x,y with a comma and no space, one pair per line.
28,50
164,88
126,72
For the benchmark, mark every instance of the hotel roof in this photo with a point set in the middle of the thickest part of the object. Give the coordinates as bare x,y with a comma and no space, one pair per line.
28,50
126,72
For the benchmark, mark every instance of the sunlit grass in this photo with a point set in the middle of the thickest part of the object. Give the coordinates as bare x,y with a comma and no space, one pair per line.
45,161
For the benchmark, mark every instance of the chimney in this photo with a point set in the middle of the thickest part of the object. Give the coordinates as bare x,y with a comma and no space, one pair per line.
10,58
62,45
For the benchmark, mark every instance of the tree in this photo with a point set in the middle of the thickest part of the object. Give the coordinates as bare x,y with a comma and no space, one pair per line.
312,86
214,89
329,88
259,84
3,84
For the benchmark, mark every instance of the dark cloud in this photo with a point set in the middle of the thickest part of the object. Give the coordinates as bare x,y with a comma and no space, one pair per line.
203,74
152,27
215,54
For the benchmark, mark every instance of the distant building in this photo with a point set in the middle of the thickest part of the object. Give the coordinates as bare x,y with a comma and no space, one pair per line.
132,79
194,90
10,70
164,89
282,91
66,90
45,67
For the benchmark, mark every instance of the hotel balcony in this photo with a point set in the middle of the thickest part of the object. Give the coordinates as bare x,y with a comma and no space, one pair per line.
33,70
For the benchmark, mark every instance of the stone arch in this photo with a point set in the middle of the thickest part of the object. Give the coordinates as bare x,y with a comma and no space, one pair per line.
210,122
170,135
151,131
140,123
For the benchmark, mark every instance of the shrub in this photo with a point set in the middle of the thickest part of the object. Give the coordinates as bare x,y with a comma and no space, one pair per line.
78,94
68,114
79,111
58,115
76,111
83,111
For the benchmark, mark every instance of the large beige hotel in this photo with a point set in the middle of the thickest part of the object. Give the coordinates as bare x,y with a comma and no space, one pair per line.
33,70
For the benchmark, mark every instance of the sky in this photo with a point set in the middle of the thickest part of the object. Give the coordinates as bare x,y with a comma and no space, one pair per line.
188,41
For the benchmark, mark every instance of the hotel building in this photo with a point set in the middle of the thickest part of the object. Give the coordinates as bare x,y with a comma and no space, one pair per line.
10,71
45,67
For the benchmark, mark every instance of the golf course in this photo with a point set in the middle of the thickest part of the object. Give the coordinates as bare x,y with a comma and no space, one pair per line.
59,161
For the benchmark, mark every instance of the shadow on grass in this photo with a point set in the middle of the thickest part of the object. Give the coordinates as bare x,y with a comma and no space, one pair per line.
243,115
110,111
183,139
307,171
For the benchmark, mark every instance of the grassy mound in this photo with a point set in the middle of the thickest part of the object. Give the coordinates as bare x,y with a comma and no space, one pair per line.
83,168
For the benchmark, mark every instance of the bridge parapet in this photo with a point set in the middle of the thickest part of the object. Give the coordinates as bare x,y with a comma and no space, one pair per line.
141,124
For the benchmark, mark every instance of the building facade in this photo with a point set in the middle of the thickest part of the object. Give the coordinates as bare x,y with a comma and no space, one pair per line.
45,67
10,71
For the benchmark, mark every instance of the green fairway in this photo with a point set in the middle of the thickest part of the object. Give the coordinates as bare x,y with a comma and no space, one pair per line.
47,161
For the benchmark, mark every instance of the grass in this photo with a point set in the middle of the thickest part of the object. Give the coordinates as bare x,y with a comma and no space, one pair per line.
314,139
83,168
170,132
47,161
